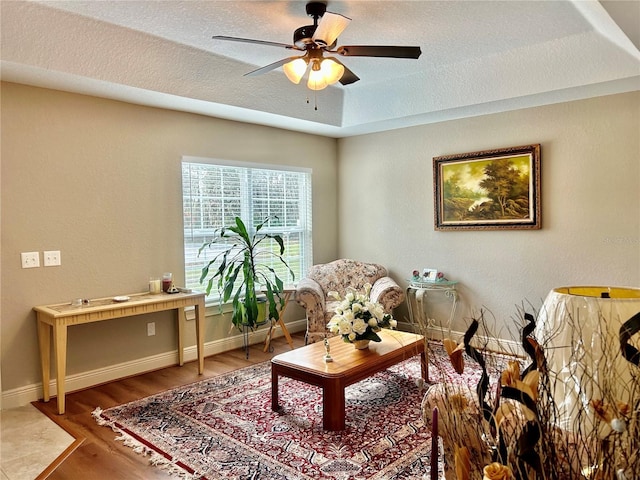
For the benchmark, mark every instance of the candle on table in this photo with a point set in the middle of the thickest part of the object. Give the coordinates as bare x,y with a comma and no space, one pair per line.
155,285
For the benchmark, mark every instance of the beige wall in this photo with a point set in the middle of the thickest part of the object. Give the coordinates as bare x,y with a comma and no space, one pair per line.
590,204
100,181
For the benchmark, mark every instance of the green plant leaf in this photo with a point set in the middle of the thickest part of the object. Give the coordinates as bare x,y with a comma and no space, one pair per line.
209,286
370,335
240,272
274,306
230,282
241,230
263,223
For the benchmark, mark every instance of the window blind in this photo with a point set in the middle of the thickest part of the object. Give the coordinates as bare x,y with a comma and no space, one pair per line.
215,192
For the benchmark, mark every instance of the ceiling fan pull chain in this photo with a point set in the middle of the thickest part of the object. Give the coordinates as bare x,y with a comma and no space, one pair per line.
315,100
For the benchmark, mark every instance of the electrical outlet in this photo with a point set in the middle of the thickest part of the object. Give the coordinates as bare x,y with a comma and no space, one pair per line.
51,258
151,329
30,259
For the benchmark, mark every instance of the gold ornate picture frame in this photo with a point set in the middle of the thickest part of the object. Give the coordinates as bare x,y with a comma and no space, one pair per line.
488,190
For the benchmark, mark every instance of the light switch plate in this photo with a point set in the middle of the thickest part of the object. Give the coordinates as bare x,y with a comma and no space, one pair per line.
51,258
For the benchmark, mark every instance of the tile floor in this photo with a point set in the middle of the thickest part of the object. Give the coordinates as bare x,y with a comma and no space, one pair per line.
29,443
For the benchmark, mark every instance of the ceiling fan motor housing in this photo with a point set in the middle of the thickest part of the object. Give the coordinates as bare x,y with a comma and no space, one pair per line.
316,9
303,36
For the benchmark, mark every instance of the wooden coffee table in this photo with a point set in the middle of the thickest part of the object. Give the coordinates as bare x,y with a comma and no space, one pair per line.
349,366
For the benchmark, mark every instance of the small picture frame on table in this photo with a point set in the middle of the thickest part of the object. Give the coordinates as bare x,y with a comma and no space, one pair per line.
429,275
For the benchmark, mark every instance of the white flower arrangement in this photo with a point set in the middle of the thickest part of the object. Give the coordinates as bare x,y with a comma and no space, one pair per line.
357,317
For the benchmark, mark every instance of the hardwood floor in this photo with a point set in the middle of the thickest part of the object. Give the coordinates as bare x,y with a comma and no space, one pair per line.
99,456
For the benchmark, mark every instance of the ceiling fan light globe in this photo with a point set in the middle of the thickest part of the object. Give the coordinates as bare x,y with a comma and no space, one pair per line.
331,70
316,80
295,70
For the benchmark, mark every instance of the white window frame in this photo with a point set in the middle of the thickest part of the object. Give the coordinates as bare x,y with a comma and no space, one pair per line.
195,235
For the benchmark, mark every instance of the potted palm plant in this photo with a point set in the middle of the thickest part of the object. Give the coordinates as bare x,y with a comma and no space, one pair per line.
241,273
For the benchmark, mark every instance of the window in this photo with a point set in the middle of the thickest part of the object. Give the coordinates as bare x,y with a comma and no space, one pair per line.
215,192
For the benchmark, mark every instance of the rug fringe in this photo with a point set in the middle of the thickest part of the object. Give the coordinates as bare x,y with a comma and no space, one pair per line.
155,459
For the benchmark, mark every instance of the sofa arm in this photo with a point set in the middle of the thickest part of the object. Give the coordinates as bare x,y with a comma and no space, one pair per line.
309,295
387,293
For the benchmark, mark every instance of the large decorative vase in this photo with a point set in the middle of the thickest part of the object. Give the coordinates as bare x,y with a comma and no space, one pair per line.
361,344
580,327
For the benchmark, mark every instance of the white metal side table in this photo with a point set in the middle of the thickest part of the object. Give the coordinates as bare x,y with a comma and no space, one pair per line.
417,298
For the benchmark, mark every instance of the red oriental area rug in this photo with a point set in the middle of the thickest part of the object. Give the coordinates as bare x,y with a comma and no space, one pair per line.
224,428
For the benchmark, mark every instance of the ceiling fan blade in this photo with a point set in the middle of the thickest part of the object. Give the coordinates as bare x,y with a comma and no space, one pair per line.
378,51
348,77
271,66
249,40
330,27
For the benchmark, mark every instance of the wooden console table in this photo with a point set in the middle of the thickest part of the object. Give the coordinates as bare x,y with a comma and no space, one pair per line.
59,317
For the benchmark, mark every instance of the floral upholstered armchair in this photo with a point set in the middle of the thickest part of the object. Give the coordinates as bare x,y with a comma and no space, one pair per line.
312,291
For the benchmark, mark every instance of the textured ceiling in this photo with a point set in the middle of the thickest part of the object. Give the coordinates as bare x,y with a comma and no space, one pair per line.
478,57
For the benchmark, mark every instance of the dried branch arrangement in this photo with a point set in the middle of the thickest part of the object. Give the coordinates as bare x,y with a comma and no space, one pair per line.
569,410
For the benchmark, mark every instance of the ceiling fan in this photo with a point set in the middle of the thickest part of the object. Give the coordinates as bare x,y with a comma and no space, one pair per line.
317,40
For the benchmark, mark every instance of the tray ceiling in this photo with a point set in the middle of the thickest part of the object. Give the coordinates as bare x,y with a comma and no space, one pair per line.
478,57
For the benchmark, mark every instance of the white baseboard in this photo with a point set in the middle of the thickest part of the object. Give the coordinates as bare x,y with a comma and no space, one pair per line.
490,343
79,381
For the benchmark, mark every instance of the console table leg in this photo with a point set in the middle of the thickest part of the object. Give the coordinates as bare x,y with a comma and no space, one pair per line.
44,340
60,349
199,311
180,318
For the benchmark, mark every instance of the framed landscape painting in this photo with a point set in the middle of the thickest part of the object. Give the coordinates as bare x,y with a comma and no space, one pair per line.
488,190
